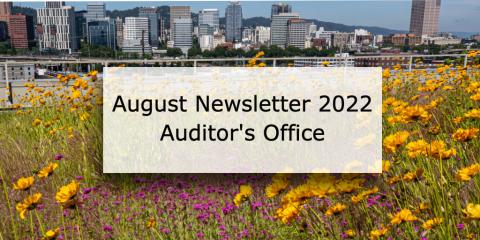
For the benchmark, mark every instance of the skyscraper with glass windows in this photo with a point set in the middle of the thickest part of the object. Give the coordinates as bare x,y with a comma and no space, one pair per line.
153,16
233,22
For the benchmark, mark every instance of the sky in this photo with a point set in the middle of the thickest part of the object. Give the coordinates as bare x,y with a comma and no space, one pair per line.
455,15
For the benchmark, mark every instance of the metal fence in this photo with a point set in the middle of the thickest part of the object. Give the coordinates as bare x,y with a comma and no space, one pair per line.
408,62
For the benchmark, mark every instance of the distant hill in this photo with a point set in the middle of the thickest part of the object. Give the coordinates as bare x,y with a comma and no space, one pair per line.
249,22
329,26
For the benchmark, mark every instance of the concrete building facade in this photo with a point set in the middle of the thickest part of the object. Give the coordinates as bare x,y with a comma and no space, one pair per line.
279,28
297,32
424,17
56,27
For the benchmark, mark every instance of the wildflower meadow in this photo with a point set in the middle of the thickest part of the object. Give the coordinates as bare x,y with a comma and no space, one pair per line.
52,185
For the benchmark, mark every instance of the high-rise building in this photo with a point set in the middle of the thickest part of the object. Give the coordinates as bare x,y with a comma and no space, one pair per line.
20,29
297,32
3,31
208,17
183,33
102,32
206,42
279,28
6,8
312,29
163,30
153,16
262,35
95,10
119,32
280,8
248,34
135,35
56,27
5,11
233,22
178,12
81,25
424,17
54,4
340,40
205,29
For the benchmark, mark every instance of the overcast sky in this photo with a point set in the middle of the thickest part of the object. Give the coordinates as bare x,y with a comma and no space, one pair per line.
455,15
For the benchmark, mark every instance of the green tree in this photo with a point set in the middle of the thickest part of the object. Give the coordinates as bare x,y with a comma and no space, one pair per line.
194,52
174,52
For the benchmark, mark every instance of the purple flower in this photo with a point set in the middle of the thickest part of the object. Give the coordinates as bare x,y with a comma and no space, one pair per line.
460,226
373,200
228,208
88,190
165,230
200,235
107,228
198,206
79,178
256,205
58,156
203,217
183,196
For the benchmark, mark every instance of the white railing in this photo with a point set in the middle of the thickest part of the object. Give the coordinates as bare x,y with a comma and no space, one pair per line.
407,61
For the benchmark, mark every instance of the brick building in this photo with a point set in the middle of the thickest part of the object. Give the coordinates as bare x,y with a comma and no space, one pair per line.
20,30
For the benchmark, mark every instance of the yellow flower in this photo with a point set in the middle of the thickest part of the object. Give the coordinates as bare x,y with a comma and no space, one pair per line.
417,148
289,211
404,215
473,87
84,116
359,197
65,196
472,54
386,165
76,94
431,223
447,88
24,183
474,113
377,233
465,174
438,150
337,208
279,183
51,234
151,223
350,233
29,203
414,113
36,122
386,73
472,211
423,206
245,192
464,135
475,97
412,176
47,171
392,142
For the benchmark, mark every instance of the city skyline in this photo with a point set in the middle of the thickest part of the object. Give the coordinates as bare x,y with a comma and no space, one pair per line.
456,16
